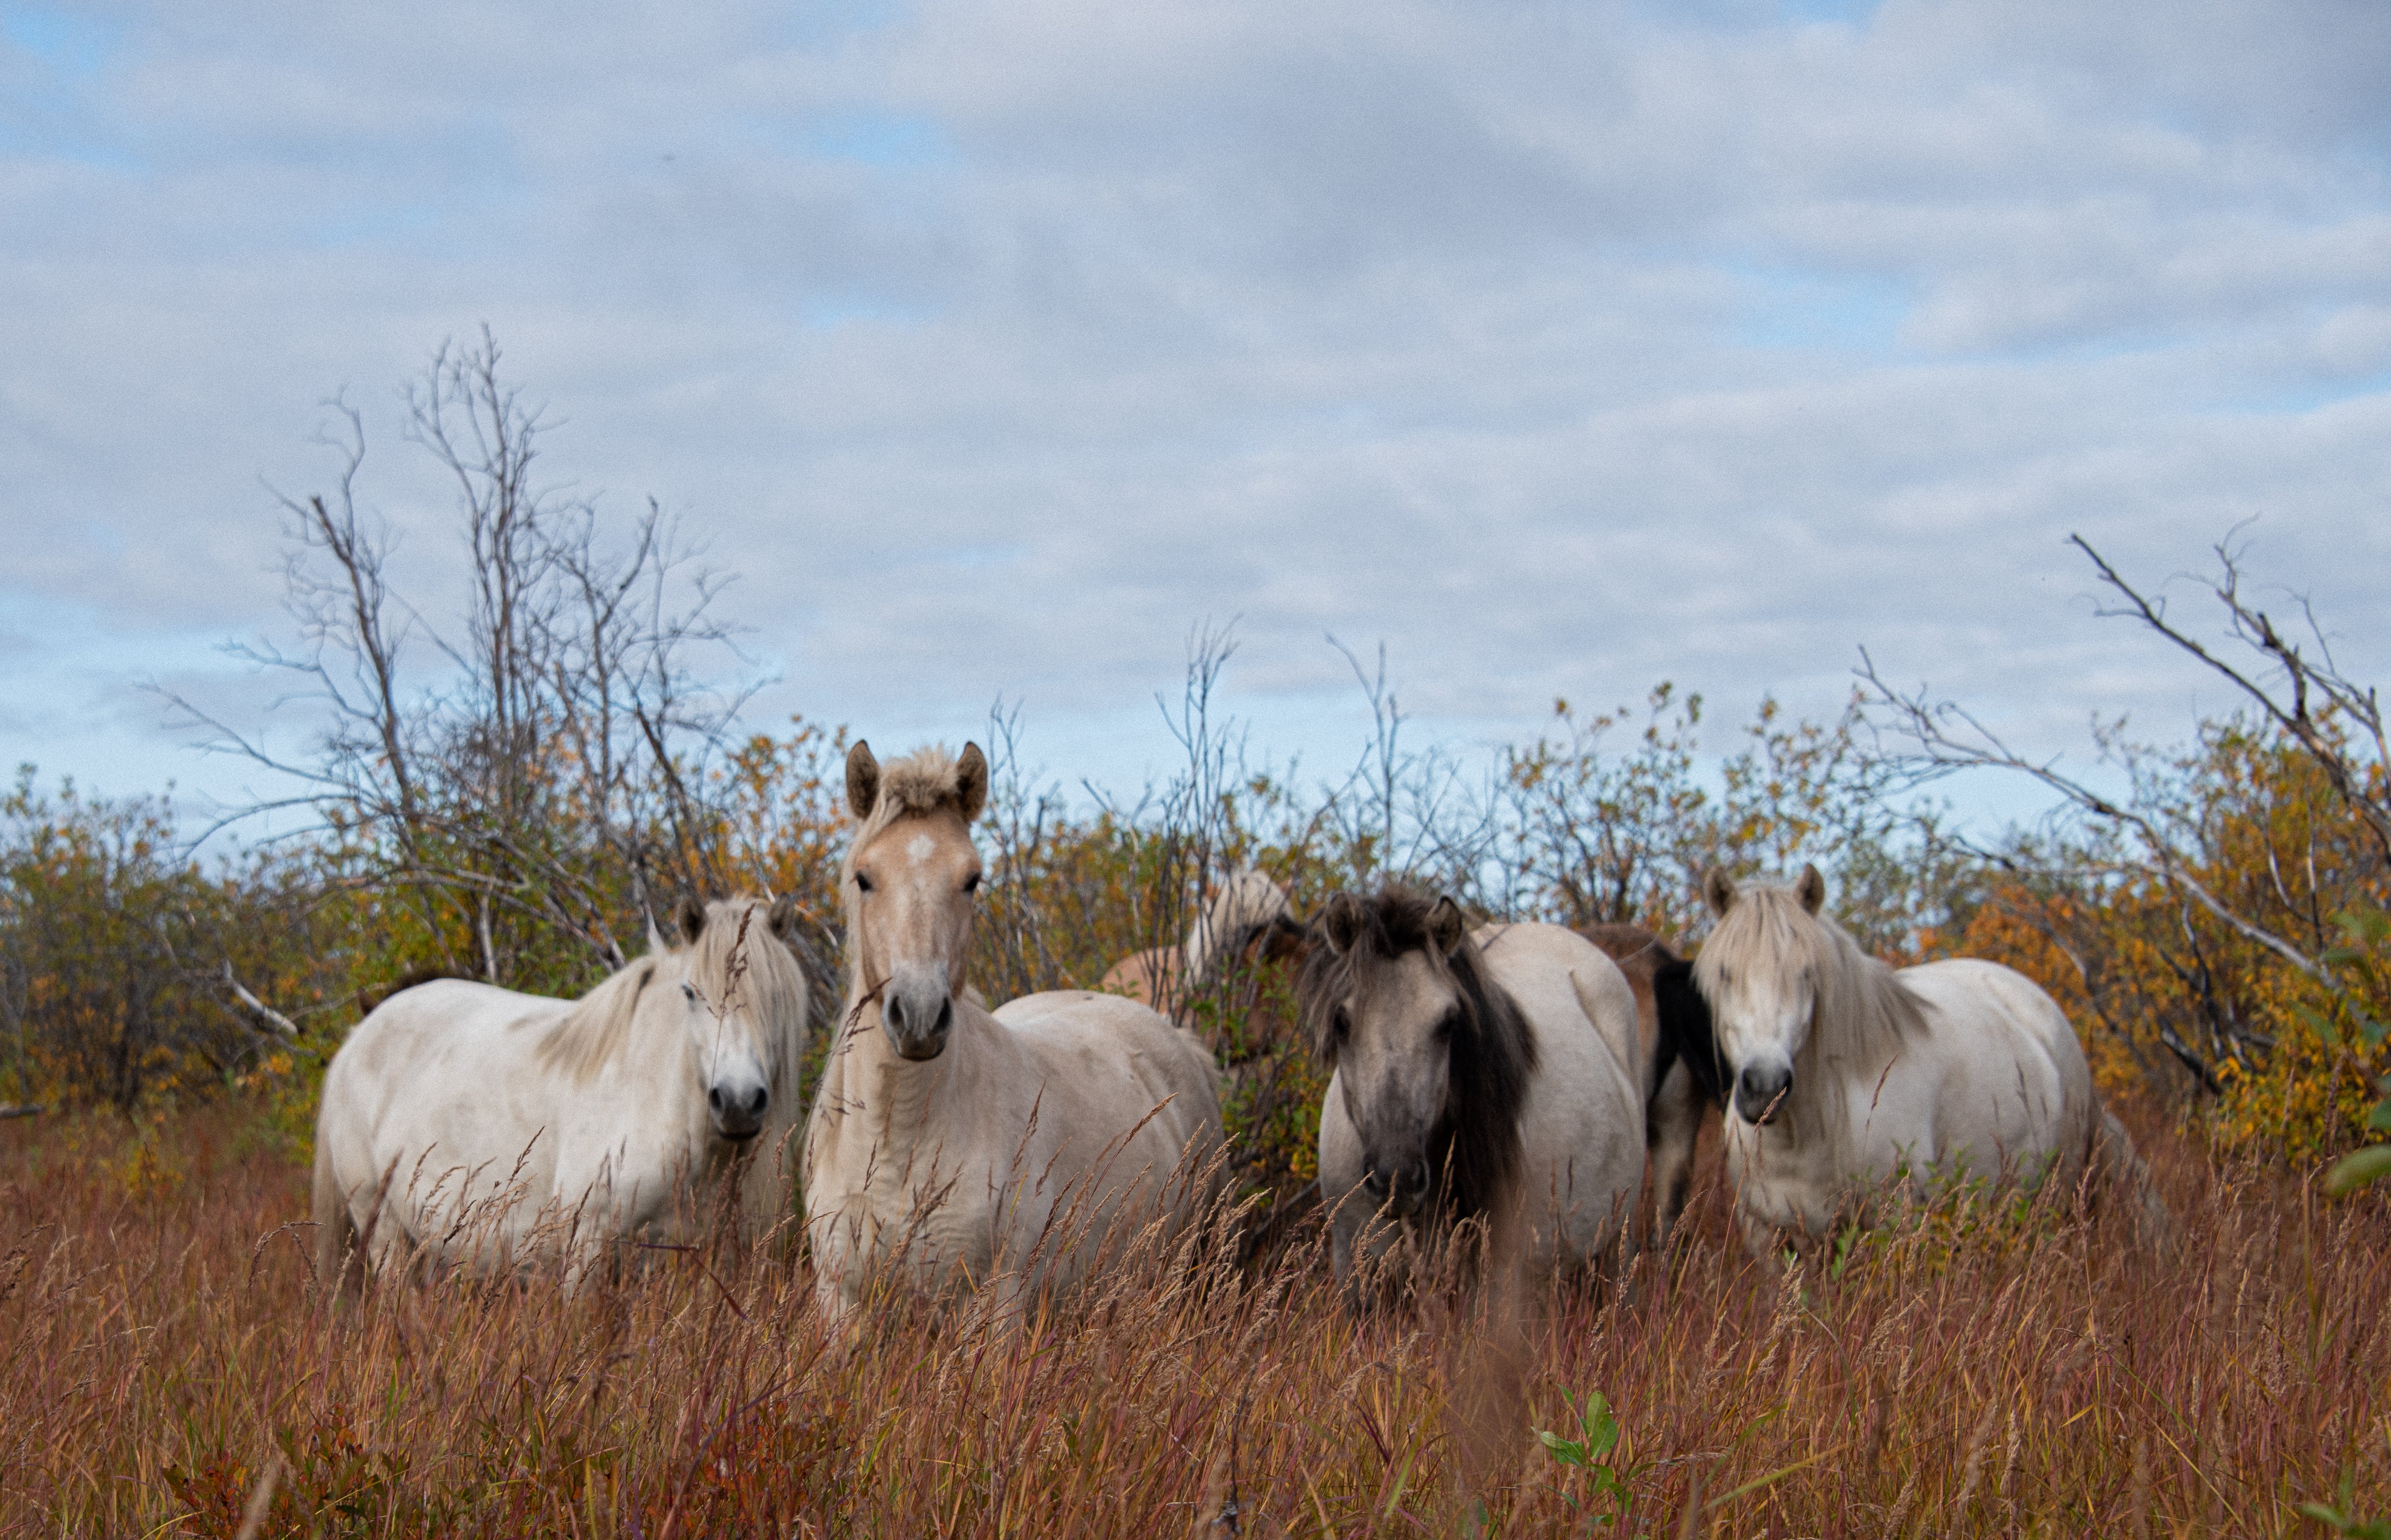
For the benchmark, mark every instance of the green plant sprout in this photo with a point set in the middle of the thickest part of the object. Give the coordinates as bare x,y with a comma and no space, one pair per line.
1590,1452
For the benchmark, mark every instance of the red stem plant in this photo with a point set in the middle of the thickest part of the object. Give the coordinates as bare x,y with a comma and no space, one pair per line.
1984,1367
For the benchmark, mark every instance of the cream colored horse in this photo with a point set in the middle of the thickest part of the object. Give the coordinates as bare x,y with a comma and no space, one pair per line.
1162,977
1846,1076
950,1148
1473,1069
467,1125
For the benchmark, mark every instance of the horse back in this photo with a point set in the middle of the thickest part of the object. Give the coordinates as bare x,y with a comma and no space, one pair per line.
2009,1069
1099,1037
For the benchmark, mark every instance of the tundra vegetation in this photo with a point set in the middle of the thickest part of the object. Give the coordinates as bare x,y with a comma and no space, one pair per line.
515,778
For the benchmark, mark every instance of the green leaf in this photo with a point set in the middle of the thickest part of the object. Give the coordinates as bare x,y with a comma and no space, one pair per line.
2350,1171
1601,1427
1567,1451
2379,1119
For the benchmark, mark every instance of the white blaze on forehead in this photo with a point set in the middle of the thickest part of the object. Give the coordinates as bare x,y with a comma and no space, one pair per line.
919,847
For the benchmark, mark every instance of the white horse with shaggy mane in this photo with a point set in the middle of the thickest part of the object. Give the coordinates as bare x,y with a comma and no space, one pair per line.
466,1125
950,1148
1845,1075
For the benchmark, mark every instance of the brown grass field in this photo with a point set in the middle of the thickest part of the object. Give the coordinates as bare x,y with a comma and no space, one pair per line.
1974,1372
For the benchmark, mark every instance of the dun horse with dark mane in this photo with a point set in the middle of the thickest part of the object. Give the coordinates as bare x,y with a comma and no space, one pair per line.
1486,1076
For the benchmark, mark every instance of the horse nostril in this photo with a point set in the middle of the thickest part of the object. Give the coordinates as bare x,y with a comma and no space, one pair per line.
946,1014
756,1101
714,1098
894,1009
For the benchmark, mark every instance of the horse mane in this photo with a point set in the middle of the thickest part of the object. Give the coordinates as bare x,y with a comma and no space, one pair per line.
1493,1054
593,1033
1863,1013
735,960
1686,1032
1681,1019
1242,907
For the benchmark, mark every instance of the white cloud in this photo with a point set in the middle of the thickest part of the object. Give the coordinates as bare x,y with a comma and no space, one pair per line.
1565,347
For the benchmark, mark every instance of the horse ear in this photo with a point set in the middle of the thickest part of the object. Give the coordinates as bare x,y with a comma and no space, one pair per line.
970,780
1341,922
1447,926
1718,890
689,917
862,781
784,919
1810,887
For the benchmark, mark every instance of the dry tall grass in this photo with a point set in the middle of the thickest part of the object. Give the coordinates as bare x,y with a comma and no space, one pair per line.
1980,1372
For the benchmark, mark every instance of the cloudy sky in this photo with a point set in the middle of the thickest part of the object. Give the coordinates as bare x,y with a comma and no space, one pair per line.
1564,347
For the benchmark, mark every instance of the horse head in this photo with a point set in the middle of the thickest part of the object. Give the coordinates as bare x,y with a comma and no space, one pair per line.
1432,1061
738,978
910,879
1759,972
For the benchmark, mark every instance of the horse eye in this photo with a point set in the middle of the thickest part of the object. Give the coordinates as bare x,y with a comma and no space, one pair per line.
863,881
1341,1023
971,884
689,992
1447,1026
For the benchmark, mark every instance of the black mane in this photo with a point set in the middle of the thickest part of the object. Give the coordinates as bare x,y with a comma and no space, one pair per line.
1686,1032
1474,1151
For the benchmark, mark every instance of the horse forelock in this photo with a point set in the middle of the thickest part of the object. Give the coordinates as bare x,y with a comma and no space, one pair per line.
735,961
1863,1013
1492,1057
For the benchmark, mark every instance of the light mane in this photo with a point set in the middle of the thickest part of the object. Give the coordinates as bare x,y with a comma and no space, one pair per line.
1864,1013
730,971
920,784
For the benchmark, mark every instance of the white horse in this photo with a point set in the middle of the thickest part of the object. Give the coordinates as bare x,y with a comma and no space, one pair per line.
1472,1069
1846,1076
467,1125
950,1148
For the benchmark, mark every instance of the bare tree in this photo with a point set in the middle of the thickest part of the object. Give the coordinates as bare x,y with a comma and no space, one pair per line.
533,767
2291,685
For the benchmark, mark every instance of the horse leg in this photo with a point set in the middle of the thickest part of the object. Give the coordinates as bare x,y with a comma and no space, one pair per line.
1674,1122
340,1259
1765,1242
2121,1169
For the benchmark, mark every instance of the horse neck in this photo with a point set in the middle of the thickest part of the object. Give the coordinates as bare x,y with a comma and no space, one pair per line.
1845,1050
656,1056
868,1087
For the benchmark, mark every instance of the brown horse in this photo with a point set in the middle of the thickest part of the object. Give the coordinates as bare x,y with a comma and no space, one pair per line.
1682,1083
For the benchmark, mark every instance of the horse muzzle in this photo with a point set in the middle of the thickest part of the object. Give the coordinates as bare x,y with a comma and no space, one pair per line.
738,1113
1397,1193
917,1022
1761,1090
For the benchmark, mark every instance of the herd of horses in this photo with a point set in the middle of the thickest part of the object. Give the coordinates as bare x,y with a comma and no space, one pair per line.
1513,1081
